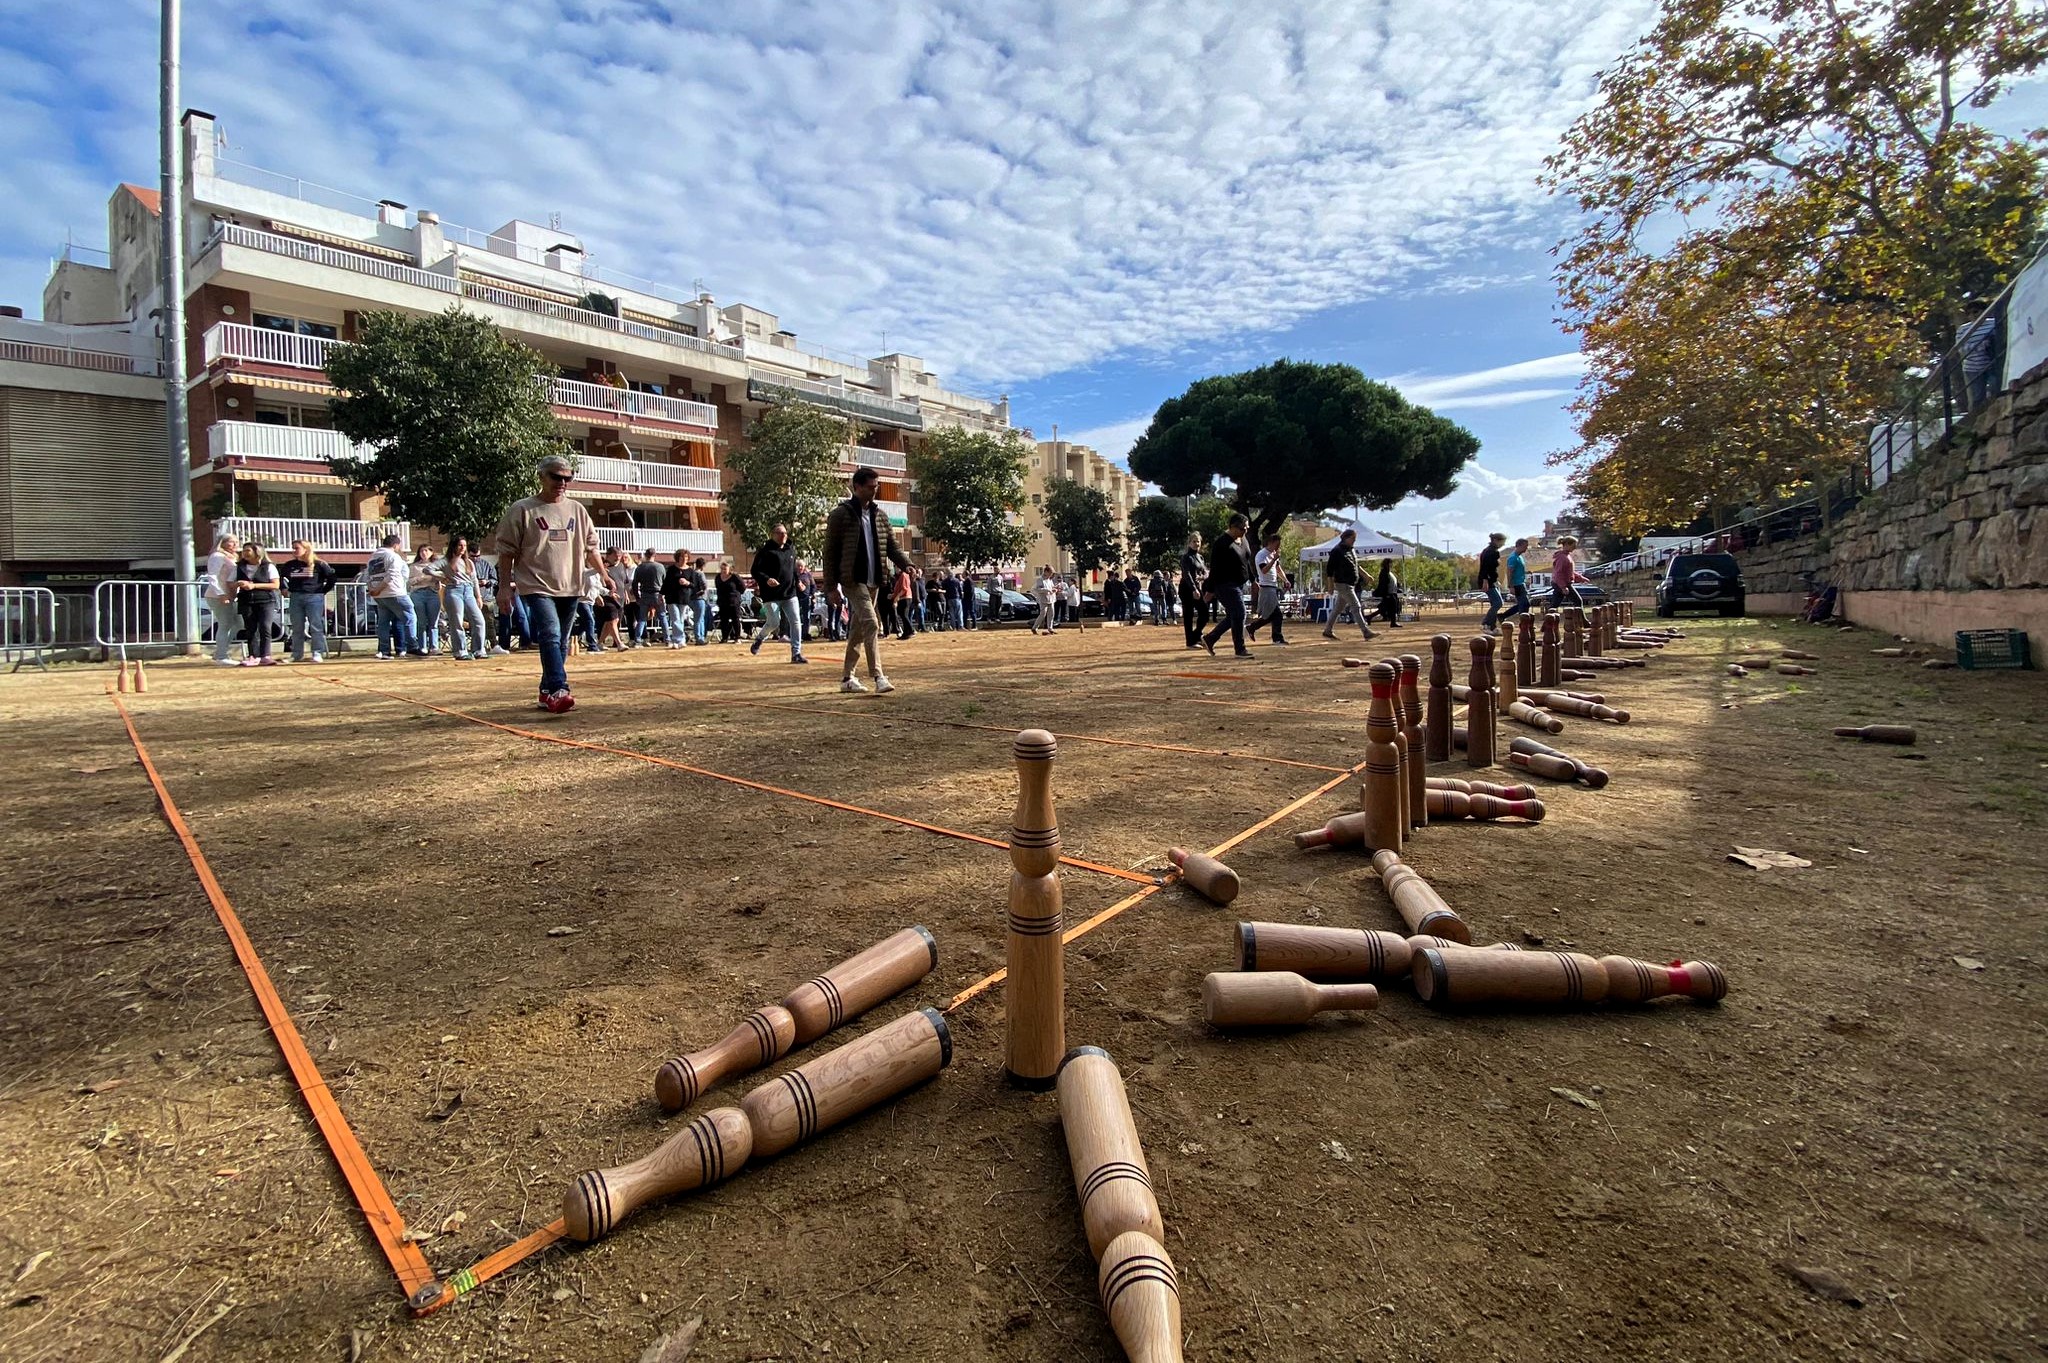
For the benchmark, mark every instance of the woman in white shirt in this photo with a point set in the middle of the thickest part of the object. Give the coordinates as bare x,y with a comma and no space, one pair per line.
1047,589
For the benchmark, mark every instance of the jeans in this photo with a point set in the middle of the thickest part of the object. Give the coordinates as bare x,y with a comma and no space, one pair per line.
426,615
1230,602
583,613
645,613
307,612
1521,606
227,627
259,613
1346,599
676,621
955,616
394,625
790,617
549,617
1493,605
512,621
701,609
464,609
863,627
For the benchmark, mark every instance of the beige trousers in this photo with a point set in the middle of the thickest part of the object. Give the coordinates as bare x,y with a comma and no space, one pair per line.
863,627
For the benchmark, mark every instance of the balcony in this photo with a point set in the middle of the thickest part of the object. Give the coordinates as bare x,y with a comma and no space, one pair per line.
329,537
710,543
766,385
855,456
640,474
239,343
260,440
106,362
898,512
625,405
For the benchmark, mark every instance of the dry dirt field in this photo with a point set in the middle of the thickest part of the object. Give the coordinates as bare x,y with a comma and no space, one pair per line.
1402,1184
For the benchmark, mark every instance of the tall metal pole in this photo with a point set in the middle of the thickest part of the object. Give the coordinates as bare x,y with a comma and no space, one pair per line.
171,277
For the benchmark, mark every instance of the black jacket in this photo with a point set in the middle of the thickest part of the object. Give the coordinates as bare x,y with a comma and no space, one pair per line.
1489,566
674,589
779,564
1344,566
1230,563
693,585
647,577
1191,571
307,579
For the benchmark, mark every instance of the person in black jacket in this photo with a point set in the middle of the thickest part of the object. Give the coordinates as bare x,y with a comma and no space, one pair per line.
307,579
647,575
1343,570
675,600
774,577
1230,568
1489,580
1388,590
1194,607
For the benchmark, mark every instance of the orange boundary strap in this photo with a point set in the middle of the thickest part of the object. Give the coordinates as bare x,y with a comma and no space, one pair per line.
671,763
387,1226
988,982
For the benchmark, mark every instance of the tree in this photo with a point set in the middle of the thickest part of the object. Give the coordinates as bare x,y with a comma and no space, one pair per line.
1159,530
455,413
1081,523
1209,517
1300,439
787,474
971,485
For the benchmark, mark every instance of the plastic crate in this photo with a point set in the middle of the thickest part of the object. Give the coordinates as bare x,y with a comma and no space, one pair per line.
1978,649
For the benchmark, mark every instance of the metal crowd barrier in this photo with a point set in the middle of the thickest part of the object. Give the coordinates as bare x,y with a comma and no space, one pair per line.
130,613
28,626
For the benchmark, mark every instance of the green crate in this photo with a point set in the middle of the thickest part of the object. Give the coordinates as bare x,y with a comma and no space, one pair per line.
1977,649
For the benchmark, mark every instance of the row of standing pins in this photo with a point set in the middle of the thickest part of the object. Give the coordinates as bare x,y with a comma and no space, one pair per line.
1119,1210
140,686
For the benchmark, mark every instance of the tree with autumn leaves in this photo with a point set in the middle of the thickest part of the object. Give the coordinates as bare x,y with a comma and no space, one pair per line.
1833,214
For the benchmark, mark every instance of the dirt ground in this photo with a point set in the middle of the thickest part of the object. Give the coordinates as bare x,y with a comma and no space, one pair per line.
1396,1184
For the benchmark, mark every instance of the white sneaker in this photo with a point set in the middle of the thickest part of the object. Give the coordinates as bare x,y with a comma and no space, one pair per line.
851,685
385,657
319,657
883,686
499,652
225,662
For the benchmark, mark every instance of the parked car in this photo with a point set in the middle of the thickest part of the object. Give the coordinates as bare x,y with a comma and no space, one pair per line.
1538,587
1701,582
1017,606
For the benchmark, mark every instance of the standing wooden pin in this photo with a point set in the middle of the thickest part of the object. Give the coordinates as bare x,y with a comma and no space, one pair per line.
1110,1174
1034,993
1141,1296
1385,813
1418,903
1437,726
1504,667
1275,998
141,687
1525,652
1205,875
1575,633
1552,668
1480,718
1401,752
1415,742
121,676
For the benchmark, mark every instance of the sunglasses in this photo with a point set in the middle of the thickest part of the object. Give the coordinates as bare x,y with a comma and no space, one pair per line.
561,477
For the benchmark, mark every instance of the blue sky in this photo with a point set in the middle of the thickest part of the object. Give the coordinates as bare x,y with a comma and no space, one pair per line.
1084,204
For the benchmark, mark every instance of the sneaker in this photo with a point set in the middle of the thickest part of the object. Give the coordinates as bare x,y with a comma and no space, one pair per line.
1368,630
225,662
463,657
319,657
755,647
495,653
385,657
1210,644
850,685
558,702
1328,635
1246,656
883,686
284,660
1281,642
247,662
266,662
799,658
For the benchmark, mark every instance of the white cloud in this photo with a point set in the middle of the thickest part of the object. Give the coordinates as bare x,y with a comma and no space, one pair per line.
1485,501
1010,188
1483,387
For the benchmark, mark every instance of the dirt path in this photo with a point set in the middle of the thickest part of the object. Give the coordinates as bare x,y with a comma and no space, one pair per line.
1397,1184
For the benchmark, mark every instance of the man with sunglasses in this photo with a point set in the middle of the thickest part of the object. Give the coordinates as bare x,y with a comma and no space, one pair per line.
545,544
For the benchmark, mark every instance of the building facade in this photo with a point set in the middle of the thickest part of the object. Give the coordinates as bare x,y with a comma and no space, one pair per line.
1053,460
650,390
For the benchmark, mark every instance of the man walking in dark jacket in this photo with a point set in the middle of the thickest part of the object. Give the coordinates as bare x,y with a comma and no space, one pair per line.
774,575
1193,608
859,549
1343,570
1230,568
1489,580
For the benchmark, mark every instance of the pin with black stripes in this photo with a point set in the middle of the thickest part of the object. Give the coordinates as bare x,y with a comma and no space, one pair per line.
1034,990
1141,1295
702,1153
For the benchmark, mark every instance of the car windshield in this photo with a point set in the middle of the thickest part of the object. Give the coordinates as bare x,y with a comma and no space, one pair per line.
1690,563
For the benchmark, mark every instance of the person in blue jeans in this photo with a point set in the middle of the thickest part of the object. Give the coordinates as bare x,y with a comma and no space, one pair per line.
1518,579
307,579
545,544
384,579
423,587
465,612
1489,579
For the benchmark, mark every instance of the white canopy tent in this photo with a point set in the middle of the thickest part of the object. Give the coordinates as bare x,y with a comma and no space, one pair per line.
1371,544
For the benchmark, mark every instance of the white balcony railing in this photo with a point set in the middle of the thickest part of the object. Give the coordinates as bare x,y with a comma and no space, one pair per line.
35,352
838,394
645,474
857,455
313,253
240,341
898,512
341,537
628,405
260,440
710,543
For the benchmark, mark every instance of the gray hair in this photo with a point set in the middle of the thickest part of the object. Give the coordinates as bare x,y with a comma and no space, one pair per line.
555,461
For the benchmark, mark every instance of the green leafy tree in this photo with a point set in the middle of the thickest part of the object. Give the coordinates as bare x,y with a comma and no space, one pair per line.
1209,516
1159,530
1080,520
971,486
456,415
786,474
1298,439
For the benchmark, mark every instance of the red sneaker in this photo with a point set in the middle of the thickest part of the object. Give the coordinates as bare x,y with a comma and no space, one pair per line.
558,702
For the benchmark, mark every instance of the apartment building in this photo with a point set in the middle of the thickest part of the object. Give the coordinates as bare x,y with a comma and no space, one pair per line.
1052,460
651,388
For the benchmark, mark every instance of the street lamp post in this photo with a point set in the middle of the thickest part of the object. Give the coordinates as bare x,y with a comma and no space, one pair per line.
171,281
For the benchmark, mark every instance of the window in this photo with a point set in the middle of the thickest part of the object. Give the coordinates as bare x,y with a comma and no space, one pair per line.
271,321
298,504
317,417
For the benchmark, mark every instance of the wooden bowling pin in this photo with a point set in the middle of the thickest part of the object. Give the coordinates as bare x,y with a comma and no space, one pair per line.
1415,743
1341,831
1384,810
1584,709
1594,777
1420,943
1276,998
1737,670
847,1080
121,676
1633,981
709,1149
1543,764
1205,875
1455,978
1141,1296
1798,656
1479,713
1794,670
1539,696
1552,656
1034,992
1356,662
1418,903
1446,805
1575,633
1322,953
1525,653
860,982
1437,724
1499,792
1880,733
1585,664
763,1036
1504,667
1110,1174
1400,739
1569,675
1522,712
141,687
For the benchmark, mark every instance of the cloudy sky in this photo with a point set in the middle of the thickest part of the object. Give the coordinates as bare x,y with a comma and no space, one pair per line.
1084,205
